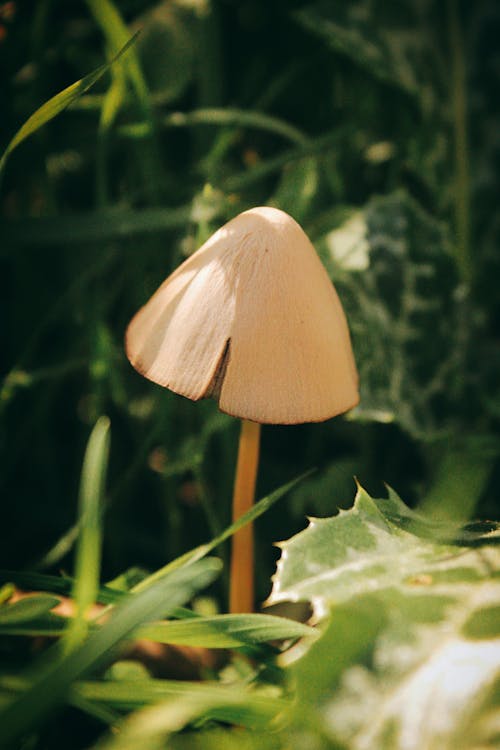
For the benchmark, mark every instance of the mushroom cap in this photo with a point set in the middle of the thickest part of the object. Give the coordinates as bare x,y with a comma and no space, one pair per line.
253,320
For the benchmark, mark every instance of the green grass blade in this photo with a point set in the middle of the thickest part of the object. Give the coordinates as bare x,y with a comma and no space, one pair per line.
112,104
88,551
6,591
44,625
225,631
54,584
218,116
221,631
204,549
229,703
58,103
108,17
26,609
51,685
64,585
60,549
99,712
95,226
116,32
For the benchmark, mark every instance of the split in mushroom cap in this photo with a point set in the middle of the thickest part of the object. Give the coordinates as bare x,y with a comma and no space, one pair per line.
253,320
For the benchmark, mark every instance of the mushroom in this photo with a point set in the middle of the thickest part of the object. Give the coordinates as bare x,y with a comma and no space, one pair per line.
252,320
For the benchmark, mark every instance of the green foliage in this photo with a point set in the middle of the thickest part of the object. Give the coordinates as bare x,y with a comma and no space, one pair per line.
399,287
157,723
413,641
50,684
88,551
410,655
388,39
408,671
372,546
134,606
27,609
199,552
60,102
371,123
32,617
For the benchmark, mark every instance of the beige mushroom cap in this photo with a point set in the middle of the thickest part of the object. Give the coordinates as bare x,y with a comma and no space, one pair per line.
253,320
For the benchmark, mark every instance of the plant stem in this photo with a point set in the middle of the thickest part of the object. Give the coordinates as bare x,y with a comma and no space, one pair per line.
108,17
241,595
217,116
459,105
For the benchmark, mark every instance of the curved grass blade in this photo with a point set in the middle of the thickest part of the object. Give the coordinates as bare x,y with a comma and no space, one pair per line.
217,116
64,585
108,17
221,631
58,103
54,584
27,609
204,549
228,703
225,631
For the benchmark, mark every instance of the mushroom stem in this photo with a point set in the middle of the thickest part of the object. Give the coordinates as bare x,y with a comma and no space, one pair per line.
241,594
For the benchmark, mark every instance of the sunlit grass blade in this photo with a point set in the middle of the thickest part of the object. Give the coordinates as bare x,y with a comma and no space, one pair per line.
122,694
116,32
50,686
204,549
58,103
229,703
88,551
108,17
225,631
6,590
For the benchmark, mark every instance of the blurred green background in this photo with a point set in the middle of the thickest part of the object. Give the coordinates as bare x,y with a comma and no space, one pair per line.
374,125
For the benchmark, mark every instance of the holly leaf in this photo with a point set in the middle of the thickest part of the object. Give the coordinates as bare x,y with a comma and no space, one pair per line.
392,273
474,534
366,549
407,669
410,652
